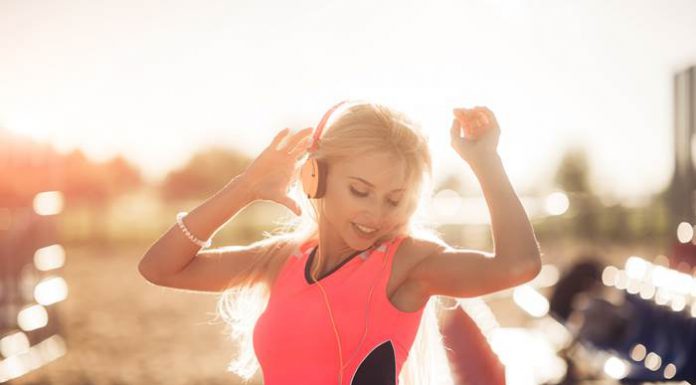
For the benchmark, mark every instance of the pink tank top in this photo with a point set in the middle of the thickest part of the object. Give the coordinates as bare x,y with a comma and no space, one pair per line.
294,339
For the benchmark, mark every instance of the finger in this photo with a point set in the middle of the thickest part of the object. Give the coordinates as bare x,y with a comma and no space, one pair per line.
279,136
297,137
456,129
476,116
482,117
491,116
302,142
291,204
468,119
301,147
461,113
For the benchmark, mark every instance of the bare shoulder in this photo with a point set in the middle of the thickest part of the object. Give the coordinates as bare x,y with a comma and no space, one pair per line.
410,253
406,292
423,245
280,253
416,249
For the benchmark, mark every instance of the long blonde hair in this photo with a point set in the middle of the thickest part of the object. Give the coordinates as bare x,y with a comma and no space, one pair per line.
362,128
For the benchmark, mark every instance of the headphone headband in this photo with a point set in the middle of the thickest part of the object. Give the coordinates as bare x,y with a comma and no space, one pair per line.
322,123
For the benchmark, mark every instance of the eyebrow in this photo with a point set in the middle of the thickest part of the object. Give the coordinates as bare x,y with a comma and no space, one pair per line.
370,184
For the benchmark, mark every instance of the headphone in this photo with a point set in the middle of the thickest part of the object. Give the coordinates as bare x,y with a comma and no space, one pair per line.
313,175
313,171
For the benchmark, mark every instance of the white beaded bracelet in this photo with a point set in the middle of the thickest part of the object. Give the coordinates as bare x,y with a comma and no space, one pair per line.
180,222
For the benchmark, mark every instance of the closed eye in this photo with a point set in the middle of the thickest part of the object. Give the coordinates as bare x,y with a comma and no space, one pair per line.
362,195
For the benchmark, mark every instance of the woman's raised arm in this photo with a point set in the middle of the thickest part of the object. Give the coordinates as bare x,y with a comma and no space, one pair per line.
175,261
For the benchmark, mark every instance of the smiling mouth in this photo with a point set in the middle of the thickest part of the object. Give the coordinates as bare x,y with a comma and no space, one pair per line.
364,230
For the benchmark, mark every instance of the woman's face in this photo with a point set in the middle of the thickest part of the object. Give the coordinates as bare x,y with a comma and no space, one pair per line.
368,191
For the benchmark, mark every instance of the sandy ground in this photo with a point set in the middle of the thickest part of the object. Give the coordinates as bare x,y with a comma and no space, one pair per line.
122,330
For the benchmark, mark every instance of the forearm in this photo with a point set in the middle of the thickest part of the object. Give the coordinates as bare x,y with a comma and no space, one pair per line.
512,232
173,250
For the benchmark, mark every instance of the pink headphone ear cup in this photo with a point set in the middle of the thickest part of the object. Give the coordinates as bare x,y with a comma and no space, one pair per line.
309,177
321,183
313,176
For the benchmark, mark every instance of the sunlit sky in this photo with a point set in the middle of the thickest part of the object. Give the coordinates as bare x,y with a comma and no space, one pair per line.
158,80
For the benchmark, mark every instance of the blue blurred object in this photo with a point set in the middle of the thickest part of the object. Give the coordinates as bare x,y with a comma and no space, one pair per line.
668,336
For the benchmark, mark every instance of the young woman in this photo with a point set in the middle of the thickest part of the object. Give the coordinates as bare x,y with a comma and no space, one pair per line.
346,292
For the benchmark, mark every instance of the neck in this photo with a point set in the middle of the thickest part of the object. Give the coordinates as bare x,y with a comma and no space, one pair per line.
332,249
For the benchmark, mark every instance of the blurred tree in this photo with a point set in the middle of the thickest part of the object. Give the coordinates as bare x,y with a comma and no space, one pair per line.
573,176
84,183
661,215
94,184
614,222
90,187
204,174
123,176
28,167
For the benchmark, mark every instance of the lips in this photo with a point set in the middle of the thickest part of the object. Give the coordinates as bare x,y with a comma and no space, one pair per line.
361,233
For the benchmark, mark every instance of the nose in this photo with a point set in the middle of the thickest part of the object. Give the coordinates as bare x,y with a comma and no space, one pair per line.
374,212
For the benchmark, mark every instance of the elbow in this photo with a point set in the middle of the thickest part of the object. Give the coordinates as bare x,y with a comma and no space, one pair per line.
535,269
524,268
145,272
532,267
532,262
519,270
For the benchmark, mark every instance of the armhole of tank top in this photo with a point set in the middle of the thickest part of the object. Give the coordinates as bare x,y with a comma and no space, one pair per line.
391,248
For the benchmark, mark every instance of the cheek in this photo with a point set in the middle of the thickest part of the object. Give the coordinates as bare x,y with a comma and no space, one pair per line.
394,221
339,207
345,203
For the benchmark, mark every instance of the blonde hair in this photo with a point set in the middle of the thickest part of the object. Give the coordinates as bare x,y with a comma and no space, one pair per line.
362,128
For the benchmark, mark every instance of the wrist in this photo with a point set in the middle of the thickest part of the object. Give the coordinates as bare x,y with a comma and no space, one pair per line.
241,188
486,161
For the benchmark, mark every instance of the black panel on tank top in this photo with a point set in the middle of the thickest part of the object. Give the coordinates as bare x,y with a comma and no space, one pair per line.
308,276
378,368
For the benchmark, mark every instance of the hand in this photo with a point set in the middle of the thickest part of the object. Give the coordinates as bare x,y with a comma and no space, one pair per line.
481,133
271,174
